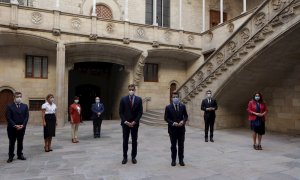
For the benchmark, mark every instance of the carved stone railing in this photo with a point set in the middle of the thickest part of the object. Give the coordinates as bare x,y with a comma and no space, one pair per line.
263,22
29,18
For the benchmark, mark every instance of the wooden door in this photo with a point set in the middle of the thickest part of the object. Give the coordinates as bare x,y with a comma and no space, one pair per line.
6,97
173,88
215,17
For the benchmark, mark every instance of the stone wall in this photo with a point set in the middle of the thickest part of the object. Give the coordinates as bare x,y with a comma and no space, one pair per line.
12,73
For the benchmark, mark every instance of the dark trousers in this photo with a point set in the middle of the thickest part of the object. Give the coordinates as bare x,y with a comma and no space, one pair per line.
97,126
13,136
209,125
134,136
175,138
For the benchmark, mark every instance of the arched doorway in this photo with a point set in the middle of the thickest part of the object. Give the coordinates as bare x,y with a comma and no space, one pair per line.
90,79
6,97
173,88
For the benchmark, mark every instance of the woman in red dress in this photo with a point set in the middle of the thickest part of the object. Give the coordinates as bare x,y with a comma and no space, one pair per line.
257,109
75,118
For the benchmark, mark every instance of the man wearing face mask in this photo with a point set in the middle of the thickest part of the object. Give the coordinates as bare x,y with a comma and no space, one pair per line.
209,106
176,117
130,111
97,116
17,117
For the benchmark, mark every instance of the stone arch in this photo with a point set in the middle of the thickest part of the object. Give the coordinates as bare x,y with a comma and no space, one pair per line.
7,87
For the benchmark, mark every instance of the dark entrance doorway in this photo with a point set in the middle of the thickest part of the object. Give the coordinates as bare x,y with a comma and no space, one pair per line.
214,17
6,97
87,94
90,79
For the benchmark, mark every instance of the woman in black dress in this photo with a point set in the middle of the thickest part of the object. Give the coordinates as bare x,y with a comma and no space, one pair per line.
49,121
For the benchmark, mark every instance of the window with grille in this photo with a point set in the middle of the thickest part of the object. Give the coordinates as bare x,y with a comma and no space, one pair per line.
36,67
162,12
103,11
151,72
36,104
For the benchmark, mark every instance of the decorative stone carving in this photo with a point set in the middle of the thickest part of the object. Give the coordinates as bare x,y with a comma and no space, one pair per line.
140,67
276,4
230,27
167,36
185,89
56,32
93,37
200,75
193,82
191,39
180,46
140,32
260,19
110,28
126,40
76,23
210,35
155,44
231,47
267,29
36,18
245,35
220,58
209,68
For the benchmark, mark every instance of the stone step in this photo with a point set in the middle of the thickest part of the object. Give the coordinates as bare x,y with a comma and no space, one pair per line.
153,123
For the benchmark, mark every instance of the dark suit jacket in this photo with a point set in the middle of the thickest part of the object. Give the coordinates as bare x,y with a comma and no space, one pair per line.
130,114
172,116
96,110
205,104
17,116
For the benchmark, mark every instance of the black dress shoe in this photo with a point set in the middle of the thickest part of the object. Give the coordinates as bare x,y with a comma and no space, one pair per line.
21,158
212,140
134,161
173,163
181,163
206,140
124,161
10,160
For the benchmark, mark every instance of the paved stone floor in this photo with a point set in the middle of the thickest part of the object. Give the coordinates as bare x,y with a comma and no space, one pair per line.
230,157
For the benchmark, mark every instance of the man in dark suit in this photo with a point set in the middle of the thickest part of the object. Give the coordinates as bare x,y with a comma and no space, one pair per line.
17,117
209,106
97,116
130,111
176,117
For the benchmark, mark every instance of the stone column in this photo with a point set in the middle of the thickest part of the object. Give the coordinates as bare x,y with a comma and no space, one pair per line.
221,11
244,6
14,15
60,84
126,11
154,13
203,15
94,8
180,15
57,5
139,67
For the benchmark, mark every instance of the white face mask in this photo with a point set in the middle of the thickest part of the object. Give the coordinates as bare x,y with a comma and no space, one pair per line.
18,100
52,100
131,92
97,100
76,101
209,95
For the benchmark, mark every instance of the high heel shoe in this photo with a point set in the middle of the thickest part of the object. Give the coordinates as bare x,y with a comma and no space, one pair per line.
46,150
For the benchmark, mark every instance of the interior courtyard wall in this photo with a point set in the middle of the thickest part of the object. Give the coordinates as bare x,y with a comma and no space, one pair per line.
12,73
169,70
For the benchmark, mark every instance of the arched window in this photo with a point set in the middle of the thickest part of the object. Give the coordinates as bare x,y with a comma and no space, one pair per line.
103,11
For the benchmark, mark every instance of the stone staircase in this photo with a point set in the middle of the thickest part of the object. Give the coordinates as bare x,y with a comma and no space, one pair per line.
270,20
154,118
